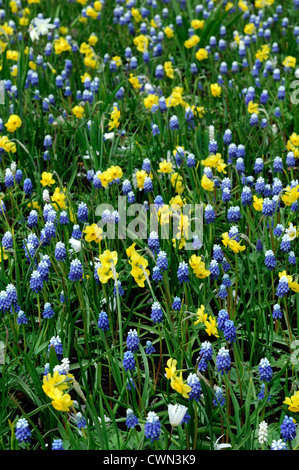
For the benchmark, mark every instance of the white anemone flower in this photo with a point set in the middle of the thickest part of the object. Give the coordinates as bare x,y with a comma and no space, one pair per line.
221,446
75,244
40,27
108,136
176,414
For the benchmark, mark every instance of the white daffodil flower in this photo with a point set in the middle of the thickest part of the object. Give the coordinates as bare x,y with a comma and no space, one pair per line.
40,27
291,232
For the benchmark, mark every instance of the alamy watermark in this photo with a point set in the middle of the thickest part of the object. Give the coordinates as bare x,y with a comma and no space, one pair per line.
138,221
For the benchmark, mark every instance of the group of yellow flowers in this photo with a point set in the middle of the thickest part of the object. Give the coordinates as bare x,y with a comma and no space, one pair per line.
235,246
293,285
210,324
114,118
93,233
79,113
215,161
173,100
139,265
14,122
176,378
198,267
108,261
7,145
112,173
54,387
